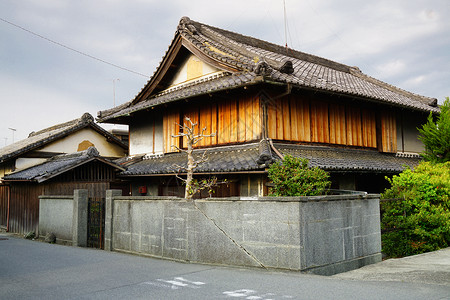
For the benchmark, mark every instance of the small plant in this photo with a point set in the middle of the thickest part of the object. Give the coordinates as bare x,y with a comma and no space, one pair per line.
418,218
29,235
293,177
207,184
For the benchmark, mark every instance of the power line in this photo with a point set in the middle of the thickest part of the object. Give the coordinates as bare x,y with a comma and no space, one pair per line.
72,49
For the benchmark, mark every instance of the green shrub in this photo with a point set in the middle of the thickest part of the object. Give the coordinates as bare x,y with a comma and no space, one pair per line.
436,135
293,177
419,221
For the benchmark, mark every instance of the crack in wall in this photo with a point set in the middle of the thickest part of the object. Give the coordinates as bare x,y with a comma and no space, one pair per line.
229,237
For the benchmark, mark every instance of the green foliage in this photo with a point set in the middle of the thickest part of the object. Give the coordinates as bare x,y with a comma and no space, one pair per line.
436,136
293,177
419,221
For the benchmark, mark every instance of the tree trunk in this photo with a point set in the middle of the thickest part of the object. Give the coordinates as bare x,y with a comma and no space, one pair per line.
190,170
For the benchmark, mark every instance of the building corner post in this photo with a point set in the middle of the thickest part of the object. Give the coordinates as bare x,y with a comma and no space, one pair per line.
80,218
109,210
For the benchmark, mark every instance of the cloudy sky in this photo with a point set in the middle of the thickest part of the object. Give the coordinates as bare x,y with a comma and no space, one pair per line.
57,56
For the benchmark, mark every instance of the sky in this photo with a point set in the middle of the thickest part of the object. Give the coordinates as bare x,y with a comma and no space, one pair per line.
61,58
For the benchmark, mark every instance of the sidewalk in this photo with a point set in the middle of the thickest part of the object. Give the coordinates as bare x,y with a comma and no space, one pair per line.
428,268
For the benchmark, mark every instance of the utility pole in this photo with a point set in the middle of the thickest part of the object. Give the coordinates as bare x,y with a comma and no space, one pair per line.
114,90
13,130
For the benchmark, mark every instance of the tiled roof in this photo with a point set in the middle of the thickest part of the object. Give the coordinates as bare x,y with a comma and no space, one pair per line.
57,165
48,135
256,157
220,159
343,159
248,60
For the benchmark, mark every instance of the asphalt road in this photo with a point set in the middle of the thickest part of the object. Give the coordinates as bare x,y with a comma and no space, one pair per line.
36,270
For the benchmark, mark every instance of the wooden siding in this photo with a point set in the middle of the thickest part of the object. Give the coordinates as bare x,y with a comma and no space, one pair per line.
338,126
289,119
388,132
319,122
171,122
208,120
24,208
24,197
301,119
233,120
4,195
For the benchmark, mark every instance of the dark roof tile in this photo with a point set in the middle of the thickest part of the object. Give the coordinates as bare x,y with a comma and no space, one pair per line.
57,165
244,52
257,156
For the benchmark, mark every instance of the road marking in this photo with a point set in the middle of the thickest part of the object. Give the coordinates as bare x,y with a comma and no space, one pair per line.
253,295
176,283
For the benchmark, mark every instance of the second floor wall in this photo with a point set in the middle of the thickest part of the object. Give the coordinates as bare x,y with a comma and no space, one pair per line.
300,118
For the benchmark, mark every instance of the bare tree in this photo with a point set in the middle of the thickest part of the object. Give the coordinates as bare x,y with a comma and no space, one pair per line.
187,131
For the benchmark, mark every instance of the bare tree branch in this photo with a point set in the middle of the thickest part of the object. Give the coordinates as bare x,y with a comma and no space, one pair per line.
187,130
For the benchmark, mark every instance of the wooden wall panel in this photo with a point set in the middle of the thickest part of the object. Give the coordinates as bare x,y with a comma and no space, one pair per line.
300,119
249,124
233,121
208,120
286,118
388,132
338,132
272,120
244,120
369,128
223,111
24,207
171,127
4,195
256,120
279,115
354,126
319,122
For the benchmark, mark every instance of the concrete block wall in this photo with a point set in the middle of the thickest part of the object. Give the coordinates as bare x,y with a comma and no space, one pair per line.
55,216
65,216
324,235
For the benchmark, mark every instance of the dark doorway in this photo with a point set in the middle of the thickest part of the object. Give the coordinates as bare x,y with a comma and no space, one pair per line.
96,223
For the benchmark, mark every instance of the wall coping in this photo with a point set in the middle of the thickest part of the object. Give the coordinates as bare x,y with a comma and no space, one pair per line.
263,199
56,197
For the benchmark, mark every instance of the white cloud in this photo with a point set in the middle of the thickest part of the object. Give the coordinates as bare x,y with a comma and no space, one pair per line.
31,107
392,67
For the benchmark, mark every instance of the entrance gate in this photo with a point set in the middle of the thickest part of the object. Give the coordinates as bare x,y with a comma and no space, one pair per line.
96,223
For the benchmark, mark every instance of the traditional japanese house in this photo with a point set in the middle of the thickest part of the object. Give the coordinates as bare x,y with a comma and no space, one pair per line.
264,101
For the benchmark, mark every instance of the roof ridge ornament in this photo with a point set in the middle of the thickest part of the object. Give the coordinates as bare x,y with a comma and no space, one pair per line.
92,151
187,24
287,67
263,68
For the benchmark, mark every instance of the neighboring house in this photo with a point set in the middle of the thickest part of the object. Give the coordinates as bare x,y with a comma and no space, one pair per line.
58,175
29,167
265,101
69,137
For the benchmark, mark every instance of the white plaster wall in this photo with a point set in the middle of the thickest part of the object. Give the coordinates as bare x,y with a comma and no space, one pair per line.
70,144
23,163
182,75
141,136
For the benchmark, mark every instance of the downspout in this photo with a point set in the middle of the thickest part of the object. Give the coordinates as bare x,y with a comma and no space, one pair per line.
275,149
